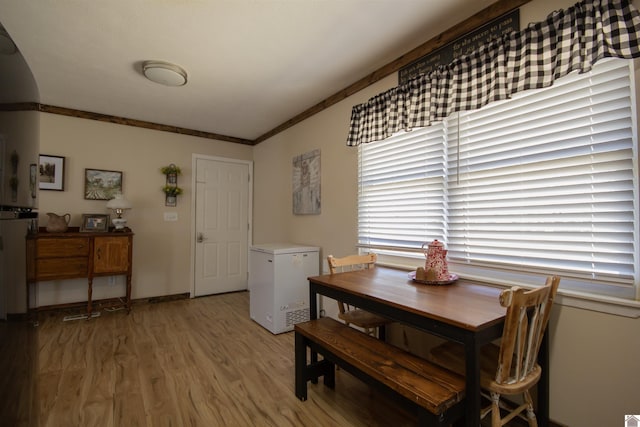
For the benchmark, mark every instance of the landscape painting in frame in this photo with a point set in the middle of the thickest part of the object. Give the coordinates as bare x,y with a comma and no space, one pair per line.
102,184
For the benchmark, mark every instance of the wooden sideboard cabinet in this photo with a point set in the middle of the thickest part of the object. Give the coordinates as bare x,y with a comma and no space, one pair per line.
72,255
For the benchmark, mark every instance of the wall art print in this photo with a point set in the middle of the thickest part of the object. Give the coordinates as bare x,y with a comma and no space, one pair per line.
51,173
306,183
101,184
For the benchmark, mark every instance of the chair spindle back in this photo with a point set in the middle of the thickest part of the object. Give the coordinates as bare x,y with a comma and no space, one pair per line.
525,324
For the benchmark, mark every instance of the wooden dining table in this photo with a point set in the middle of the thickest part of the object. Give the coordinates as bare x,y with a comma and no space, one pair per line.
463,312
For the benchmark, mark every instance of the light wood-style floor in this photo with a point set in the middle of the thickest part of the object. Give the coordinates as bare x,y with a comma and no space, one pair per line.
197,362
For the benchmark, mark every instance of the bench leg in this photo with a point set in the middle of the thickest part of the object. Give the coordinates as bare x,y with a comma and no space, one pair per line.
301,366
453,417
314,362
426,418
310,372
329,375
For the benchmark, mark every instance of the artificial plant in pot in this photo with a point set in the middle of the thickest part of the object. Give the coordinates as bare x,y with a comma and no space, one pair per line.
171,193
172,190
172,171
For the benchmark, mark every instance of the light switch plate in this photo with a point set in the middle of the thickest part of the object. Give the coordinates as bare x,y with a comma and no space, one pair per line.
171,216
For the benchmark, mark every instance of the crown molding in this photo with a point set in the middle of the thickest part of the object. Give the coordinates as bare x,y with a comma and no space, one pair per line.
33,106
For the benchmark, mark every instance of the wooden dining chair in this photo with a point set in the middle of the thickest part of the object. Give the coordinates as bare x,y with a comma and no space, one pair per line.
349,314
510,368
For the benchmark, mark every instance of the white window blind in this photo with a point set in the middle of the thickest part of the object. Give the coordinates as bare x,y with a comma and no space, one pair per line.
401,200
545,182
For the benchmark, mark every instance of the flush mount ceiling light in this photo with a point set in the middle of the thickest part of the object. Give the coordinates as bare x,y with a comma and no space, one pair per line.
164,73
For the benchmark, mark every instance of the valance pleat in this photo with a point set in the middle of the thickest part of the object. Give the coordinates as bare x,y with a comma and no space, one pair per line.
568,40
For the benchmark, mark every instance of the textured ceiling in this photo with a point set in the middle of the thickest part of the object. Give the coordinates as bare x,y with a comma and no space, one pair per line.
252,64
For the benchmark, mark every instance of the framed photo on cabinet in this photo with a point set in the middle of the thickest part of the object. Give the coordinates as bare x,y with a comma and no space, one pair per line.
94,222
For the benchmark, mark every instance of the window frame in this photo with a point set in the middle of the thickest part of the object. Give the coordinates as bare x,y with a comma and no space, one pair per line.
572,288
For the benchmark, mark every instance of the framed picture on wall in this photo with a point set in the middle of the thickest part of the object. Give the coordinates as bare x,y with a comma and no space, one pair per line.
306,183
51,173
102,184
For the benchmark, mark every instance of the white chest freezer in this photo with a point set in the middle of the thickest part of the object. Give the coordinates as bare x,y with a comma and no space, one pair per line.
278,285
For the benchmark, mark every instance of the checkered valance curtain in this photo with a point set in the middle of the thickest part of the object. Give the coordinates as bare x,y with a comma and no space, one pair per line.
568,40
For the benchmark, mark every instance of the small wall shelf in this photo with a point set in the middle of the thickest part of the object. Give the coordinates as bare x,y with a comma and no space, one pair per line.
171,189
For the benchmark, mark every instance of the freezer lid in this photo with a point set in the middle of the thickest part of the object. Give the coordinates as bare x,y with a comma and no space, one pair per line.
283,248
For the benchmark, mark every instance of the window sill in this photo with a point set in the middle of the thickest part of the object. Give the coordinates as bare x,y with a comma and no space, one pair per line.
602,304
599,303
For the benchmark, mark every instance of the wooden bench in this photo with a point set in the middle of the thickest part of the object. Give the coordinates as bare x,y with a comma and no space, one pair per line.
434,392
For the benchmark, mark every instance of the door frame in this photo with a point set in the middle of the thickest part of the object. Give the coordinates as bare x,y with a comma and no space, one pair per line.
194,158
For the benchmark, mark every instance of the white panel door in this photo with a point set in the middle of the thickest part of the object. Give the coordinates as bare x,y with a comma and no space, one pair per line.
222,223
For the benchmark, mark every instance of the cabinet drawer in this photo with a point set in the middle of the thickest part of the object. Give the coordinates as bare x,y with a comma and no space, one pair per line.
61,268
58,248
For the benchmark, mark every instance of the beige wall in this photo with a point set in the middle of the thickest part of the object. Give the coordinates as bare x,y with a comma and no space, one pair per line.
161,254
594,357
594,368
334,230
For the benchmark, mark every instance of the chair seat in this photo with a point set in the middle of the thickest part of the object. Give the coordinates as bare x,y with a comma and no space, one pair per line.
352,315
363,318
450,355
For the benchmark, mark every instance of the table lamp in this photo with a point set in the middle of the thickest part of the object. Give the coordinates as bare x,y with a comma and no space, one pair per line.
119,204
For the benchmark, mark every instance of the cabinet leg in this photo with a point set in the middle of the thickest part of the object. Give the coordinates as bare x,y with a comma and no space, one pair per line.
128,293
89,295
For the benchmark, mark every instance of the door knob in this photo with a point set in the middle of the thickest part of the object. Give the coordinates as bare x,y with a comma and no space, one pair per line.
201,238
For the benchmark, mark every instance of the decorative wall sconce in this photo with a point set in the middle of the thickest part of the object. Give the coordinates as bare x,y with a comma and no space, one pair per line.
171,189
